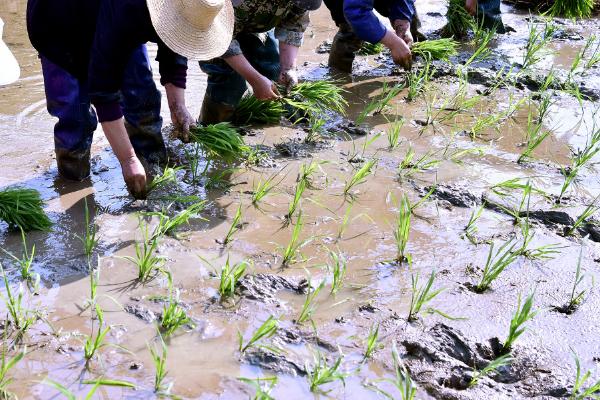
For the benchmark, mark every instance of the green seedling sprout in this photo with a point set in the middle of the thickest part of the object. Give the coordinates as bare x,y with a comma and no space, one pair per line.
236,224
544,252
359,177
521,316
421,296
492,367
535,132
263,188
307,172
97,383
471,228
393,133
23,208
89,239
19,316
95,341
536,43
291,253
7,365
496,263
408,167
321,373
193,160
402,230
438,49
159,359
266,331
594,59
585,215
483,50
173,315
298,192
579,393
230,276
372,342
418,79
572,9
577,295
147,262
379,103
220,141
370,49
168,225
263,387
25,262
339,267
402,381
309,307
168,177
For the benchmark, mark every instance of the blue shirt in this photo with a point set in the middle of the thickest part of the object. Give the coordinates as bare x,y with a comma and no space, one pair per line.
366,25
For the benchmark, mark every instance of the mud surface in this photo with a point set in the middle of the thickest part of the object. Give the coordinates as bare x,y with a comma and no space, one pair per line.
442,355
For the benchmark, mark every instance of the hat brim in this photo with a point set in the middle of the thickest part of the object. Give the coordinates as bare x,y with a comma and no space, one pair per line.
187,39
9,67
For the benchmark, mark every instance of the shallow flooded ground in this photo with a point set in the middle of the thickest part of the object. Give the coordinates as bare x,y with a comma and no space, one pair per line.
462,153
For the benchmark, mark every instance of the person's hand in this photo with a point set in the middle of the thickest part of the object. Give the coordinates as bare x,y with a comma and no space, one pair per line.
400,51
402,28
182,120
471,6
264,89
288,79
135,177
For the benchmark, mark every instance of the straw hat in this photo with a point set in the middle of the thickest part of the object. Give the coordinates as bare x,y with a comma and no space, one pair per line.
196,29
9,67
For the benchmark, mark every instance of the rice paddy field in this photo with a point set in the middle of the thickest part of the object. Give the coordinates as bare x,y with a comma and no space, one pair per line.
434,236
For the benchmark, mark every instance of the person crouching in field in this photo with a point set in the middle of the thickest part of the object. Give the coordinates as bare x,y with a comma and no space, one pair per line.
93,53
358,23
264,49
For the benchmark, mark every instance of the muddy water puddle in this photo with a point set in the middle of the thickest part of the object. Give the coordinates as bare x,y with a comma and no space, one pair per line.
440,353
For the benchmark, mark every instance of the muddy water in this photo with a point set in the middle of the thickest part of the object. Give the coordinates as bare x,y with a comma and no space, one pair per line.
203,361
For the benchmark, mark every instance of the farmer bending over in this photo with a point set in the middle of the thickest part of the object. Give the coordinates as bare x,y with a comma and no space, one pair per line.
257,54
93,52
357,23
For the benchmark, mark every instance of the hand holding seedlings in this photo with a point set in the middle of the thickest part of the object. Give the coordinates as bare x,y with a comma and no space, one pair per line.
400,51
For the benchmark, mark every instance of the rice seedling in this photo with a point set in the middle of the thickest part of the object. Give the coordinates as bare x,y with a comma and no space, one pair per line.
483,50
263,188
321,373
89,239
267,330
458,155
20,317
309,307
585,215
95,341
393,133
418,79
236,224
536,43
148,263
578,392
496,263
168,177
577,295
263,387
252,110
230,275
168,225
458,18
220,141
402,381
505,188
97,383
521,316
7,365
380,102
25,262
483,123
173,316
339,267
402,230
594,58
298,192
535,133
370,49
307,172
316,130
471,228
492,367
193,162
317,97
159,359
544,252
23,208
359,177
408,167
439,49
421,296
572,9
291,253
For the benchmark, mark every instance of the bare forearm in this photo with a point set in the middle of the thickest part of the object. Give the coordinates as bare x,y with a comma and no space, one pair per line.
288,56
119,140
175,96
242,66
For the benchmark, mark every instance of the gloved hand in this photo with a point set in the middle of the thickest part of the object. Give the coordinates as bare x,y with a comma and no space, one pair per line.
182,120
471,6
288,79
402,28
135,177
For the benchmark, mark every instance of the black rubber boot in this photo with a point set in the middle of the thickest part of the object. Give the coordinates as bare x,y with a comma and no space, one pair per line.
73,165
345,44
213,112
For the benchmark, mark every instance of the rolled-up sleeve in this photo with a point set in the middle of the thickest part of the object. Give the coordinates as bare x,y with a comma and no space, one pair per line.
365,23
402,9
291,29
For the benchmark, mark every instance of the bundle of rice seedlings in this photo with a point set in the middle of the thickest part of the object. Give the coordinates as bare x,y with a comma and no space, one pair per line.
220,141
459,19
370,49
23,208
250,109
440,49
572,8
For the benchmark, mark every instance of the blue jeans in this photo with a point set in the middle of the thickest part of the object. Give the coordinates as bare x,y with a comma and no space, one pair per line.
489,15
68,100
224,85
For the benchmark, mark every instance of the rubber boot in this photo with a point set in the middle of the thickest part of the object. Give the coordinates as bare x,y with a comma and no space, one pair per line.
213,112
345,44
415,25
74,166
